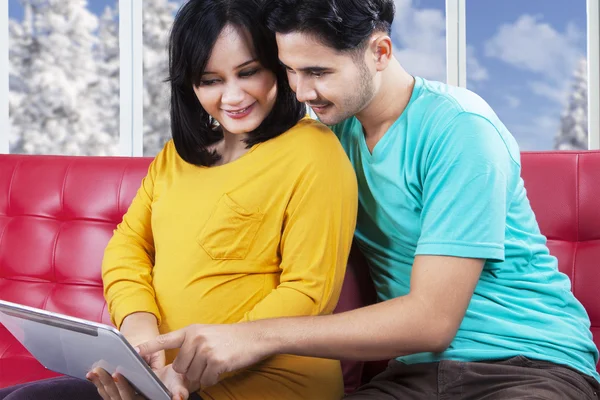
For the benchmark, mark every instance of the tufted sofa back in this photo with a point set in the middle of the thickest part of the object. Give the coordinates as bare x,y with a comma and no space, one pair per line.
58,213
56,217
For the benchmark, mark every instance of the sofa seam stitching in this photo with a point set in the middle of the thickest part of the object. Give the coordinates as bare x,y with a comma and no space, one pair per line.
62,191
119,191
48,296
577,177
577,224
103,308
54,251
10,185
1,236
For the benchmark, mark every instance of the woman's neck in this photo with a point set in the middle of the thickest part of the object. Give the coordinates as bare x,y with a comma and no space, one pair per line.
231,147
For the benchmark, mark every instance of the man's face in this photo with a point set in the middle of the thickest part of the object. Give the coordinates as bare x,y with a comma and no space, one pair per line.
336,85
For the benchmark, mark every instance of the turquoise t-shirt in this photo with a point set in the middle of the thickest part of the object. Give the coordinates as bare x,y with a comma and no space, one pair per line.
445,180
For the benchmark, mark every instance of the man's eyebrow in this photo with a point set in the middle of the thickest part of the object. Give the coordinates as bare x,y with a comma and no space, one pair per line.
308,69
238,67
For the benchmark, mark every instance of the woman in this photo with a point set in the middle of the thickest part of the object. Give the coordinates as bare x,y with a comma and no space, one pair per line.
248,213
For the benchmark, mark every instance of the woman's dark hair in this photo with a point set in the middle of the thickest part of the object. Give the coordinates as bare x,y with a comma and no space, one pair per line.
197,26
344,25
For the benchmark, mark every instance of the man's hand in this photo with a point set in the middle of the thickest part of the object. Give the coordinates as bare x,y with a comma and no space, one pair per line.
116,387
207,351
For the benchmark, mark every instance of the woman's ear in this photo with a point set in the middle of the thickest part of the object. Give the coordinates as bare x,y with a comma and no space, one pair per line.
381,47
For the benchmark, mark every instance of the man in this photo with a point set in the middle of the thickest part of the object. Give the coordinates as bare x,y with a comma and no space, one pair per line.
472,304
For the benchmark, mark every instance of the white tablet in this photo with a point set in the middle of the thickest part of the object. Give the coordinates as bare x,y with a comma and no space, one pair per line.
73,346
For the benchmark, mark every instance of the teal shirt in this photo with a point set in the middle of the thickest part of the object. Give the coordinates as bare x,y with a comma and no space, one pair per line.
445,179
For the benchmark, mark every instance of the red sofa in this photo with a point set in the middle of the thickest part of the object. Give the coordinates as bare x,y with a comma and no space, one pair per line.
58,213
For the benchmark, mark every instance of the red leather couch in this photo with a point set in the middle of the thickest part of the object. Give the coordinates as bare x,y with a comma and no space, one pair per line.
58,213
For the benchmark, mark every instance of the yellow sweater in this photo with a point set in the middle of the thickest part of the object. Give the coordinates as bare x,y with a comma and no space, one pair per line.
267,235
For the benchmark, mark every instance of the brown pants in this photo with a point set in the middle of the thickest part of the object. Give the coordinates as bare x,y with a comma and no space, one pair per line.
515,378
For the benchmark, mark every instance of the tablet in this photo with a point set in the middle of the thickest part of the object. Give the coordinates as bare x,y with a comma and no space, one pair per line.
73,346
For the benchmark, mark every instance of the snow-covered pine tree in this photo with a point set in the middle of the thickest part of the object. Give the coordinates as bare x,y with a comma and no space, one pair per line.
573,131
106,92
157,20
52,70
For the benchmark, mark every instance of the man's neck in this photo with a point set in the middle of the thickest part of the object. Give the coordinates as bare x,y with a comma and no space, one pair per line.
393,95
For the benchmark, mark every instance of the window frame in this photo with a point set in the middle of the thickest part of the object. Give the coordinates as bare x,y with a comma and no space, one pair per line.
131,85
4,87
131,92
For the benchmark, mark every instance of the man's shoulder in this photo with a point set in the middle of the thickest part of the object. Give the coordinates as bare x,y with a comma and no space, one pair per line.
451,119
441,101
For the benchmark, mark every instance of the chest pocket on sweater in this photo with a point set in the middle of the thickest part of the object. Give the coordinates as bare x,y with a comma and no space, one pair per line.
230,230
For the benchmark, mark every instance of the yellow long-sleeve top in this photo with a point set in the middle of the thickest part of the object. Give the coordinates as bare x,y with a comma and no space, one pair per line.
267,235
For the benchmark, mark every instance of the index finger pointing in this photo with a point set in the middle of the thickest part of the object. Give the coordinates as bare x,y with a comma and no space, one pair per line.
172,340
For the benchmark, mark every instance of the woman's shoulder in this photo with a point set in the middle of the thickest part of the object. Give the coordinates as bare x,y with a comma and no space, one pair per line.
310,145
168,154
309,134
167,159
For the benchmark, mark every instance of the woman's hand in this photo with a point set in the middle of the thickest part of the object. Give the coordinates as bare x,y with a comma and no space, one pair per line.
116,387
113,387
139,328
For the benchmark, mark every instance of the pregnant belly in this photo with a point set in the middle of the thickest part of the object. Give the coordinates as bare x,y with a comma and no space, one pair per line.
209,300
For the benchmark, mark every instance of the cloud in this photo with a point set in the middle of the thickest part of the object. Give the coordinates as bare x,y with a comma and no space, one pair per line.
537,133
549,57
420,38
532,45
557,93
536,46
475,71
512,101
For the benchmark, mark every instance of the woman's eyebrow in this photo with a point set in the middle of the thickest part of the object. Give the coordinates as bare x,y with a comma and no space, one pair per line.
238,67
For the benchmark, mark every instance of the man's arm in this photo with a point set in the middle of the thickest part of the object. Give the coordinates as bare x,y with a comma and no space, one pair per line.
424,320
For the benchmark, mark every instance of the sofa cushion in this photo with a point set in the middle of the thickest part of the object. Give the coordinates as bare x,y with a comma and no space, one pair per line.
56,216
357,291
58,213
564,191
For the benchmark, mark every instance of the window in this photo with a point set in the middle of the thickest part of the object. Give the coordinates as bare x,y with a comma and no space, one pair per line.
534,53
419,38
158,17
72,83
63,77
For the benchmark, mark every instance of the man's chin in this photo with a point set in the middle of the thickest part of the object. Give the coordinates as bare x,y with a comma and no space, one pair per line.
329,118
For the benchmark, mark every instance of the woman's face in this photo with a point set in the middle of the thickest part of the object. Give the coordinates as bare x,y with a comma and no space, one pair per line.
235,88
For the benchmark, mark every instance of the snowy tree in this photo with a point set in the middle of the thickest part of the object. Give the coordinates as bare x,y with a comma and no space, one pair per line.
53,74
157,20
573,132
106,92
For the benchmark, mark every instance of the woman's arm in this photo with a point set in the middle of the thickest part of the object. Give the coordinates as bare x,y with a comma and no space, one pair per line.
129,257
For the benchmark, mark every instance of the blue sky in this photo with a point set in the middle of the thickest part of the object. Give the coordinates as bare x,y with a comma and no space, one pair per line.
521,55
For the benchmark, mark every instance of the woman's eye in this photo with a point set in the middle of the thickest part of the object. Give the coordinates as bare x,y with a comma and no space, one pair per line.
317,74
246,74
208,82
